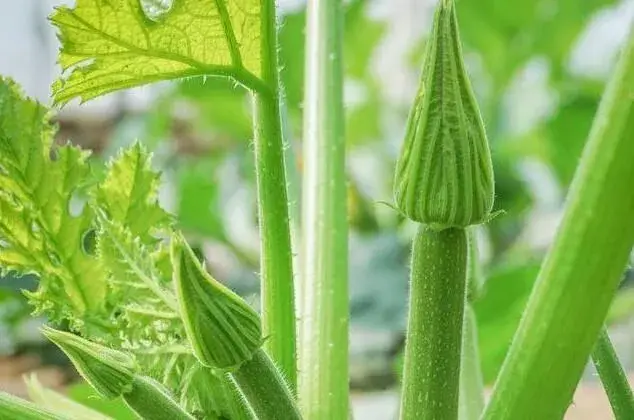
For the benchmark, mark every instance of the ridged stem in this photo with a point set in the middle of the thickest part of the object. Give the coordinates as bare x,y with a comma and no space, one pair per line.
265,389
323,351
278,299
613,377
580,274
431,373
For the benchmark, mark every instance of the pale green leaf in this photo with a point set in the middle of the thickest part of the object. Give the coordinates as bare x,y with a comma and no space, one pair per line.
38,233
149,323
117,44
137,286
129,193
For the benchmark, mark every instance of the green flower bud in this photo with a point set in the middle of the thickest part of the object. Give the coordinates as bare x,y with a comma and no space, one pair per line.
15,408
109,371
444,175
223,329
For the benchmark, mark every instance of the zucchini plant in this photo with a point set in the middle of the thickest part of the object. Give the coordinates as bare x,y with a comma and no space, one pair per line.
135,310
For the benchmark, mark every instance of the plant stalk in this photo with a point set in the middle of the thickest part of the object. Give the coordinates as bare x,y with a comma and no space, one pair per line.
431,372
471,384
323,351
578,278
265,389
150,401
613,377
278,299
12,407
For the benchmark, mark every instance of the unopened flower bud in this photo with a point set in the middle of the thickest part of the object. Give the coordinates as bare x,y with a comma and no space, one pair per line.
223,329
444,175
109,371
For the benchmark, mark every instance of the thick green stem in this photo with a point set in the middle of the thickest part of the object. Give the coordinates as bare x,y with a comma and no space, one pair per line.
152,402
581,271
15,408
323,352
265,389
613,377
431,373
278,299
471,385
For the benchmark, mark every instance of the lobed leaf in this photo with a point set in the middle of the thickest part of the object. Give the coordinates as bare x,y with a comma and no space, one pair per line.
129,193
38,233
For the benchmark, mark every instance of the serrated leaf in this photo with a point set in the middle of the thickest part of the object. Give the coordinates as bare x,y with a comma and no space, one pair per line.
38,233
136,288
150,325
118,44
129,193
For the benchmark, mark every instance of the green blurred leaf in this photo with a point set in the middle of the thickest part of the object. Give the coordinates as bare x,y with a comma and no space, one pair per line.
86,395
221,107
199,206
499,310
364,119
566,134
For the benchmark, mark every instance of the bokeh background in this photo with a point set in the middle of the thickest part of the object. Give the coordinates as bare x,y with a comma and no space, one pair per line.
538,67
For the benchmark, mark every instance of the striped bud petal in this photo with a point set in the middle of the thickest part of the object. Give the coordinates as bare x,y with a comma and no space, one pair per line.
223,329
444,176
109,371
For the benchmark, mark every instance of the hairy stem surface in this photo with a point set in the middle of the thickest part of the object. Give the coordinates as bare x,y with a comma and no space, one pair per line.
613,377
278,299
265,389
323,353
431,373
581,272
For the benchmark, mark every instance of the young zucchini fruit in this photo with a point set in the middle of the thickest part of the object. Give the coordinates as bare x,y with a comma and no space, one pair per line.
444,180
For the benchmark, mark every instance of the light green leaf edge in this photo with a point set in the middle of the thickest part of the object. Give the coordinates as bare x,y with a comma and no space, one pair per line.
110,45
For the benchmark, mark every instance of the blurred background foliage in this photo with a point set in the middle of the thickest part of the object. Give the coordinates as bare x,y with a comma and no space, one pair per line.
538,108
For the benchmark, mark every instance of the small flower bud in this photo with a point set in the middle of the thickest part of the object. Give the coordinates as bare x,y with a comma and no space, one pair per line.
444,175
109,371
223,329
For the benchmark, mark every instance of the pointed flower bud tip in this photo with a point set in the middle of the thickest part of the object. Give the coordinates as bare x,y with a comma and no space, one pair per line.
109,371
444,175
223,329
